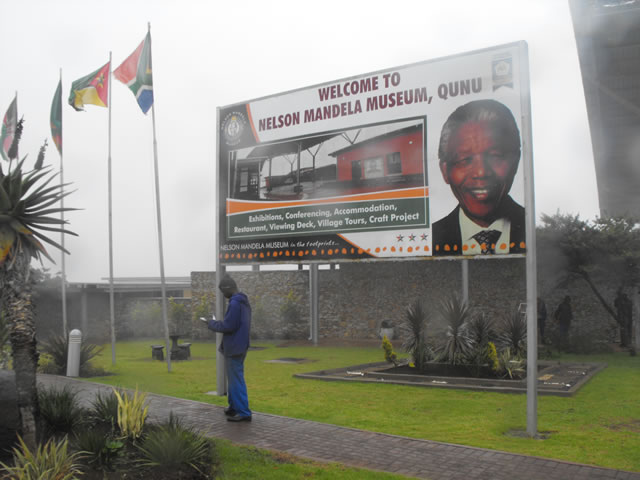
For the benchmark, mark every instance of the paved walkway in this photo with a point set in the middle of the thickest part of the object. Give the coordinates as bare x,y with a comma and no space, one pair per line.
359,448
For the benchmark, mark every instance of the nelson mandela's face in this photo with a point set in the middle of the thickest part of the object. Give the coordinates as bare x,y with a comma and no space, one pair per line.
480,170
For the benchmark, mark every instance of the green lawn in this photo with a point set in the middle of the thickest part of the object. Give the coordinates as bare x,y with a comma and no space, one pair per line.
600,425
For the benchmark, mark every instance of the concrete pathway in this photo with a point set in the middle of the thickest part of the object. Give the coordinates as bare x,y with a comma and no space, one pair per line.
359,448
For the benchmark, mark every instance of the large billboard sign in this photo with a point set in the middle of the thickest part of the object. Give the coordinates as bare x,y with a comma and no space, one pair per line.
418,161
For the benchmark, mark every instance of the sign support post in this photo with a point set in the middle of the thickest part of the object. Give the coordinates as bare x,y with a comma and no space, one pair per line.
530,220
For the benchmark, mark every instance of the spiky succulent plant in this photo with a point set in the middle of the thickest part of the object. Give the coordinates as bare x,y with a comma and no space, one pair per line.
29,206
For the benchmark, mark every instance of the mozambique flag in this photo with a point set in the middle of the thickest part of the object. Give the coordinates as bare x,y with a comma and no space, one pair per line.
56,117
9,128
135,72
92,89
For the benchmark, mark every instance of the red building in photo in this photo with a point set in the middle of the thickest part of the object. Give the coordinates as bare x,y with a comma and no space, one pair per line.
394,160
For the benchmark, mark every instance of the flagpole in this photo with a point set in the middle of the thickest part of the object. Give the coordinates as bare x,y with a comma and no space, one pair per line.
111,301
163,286
62,235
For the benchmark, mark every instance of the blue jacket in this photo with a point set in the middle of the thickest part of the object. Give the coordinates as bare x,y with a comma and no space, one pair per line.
236,326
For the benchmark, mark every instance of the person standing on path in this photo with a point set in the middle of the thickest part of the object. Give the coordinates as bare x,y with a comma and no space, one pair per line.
235,328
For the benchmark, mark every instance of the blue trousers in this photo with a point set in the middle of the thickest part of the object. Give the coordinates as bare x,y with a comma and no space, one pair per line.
237,388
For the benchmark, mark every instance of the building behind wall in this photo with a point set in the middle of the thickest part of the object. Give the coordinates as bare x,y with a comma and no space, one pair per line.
88,307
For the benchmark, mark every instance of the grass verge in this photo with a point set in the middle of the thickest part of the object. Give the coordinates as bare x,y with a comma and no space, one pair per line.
251,463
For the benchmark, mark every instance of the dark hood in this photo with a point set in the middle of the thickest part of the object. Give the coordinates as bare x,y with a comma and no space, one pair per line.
240,297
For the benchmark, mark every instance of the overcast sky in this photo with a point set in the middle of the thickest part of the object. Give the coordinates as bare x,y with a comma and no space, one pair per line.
208,54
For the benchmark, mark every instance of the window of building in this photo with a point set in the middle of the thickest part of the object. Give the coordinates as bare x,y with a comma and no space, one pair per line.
374,167
244,179
394,165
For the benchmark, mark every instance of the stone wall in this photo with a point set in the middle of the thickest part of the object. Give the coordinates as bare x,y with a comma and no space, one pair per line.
357,297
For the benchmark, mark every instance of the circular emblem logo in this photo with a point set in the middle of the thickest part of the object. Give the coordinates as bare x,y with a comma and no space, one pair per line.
502,68
233,127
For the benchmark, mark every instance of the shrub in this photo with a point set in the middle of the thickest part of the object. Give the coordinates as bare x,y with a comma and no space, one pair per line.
481,330
132,413
389,355
60,411
58,347
492,356
104,409
172,445
415,326
514,333
511,365
51,461
47,365
202,306
456,314
98,449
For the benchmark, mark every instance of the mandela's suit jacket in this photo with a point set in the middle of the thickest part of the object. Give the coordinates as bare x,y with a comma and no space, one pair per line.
446,231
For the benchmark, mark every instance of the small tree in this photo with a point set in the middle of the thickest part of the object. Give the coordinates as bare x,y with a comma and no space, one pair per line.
202,306
29,212
601,253
179,316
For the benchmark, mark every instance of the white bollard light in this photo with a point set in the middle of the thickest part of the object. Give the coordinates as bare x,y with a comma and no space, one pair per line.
73,356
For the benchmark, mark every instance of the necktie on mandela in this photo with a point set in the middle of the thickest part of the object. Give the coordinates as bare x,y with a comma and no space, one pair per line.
487,240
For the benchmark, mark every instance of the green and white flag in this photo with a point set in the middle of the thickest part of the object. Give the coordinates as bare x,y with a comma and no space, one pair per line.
9,128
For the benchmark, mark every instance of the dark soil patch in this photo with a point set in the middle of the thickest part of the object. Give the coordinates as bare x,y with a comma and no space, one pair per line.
631,426
523,434
289,360
444,370
554,378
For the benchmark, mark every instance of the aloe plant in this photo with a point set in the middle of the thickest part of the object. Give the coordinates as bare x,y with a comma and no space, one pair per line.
29,212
